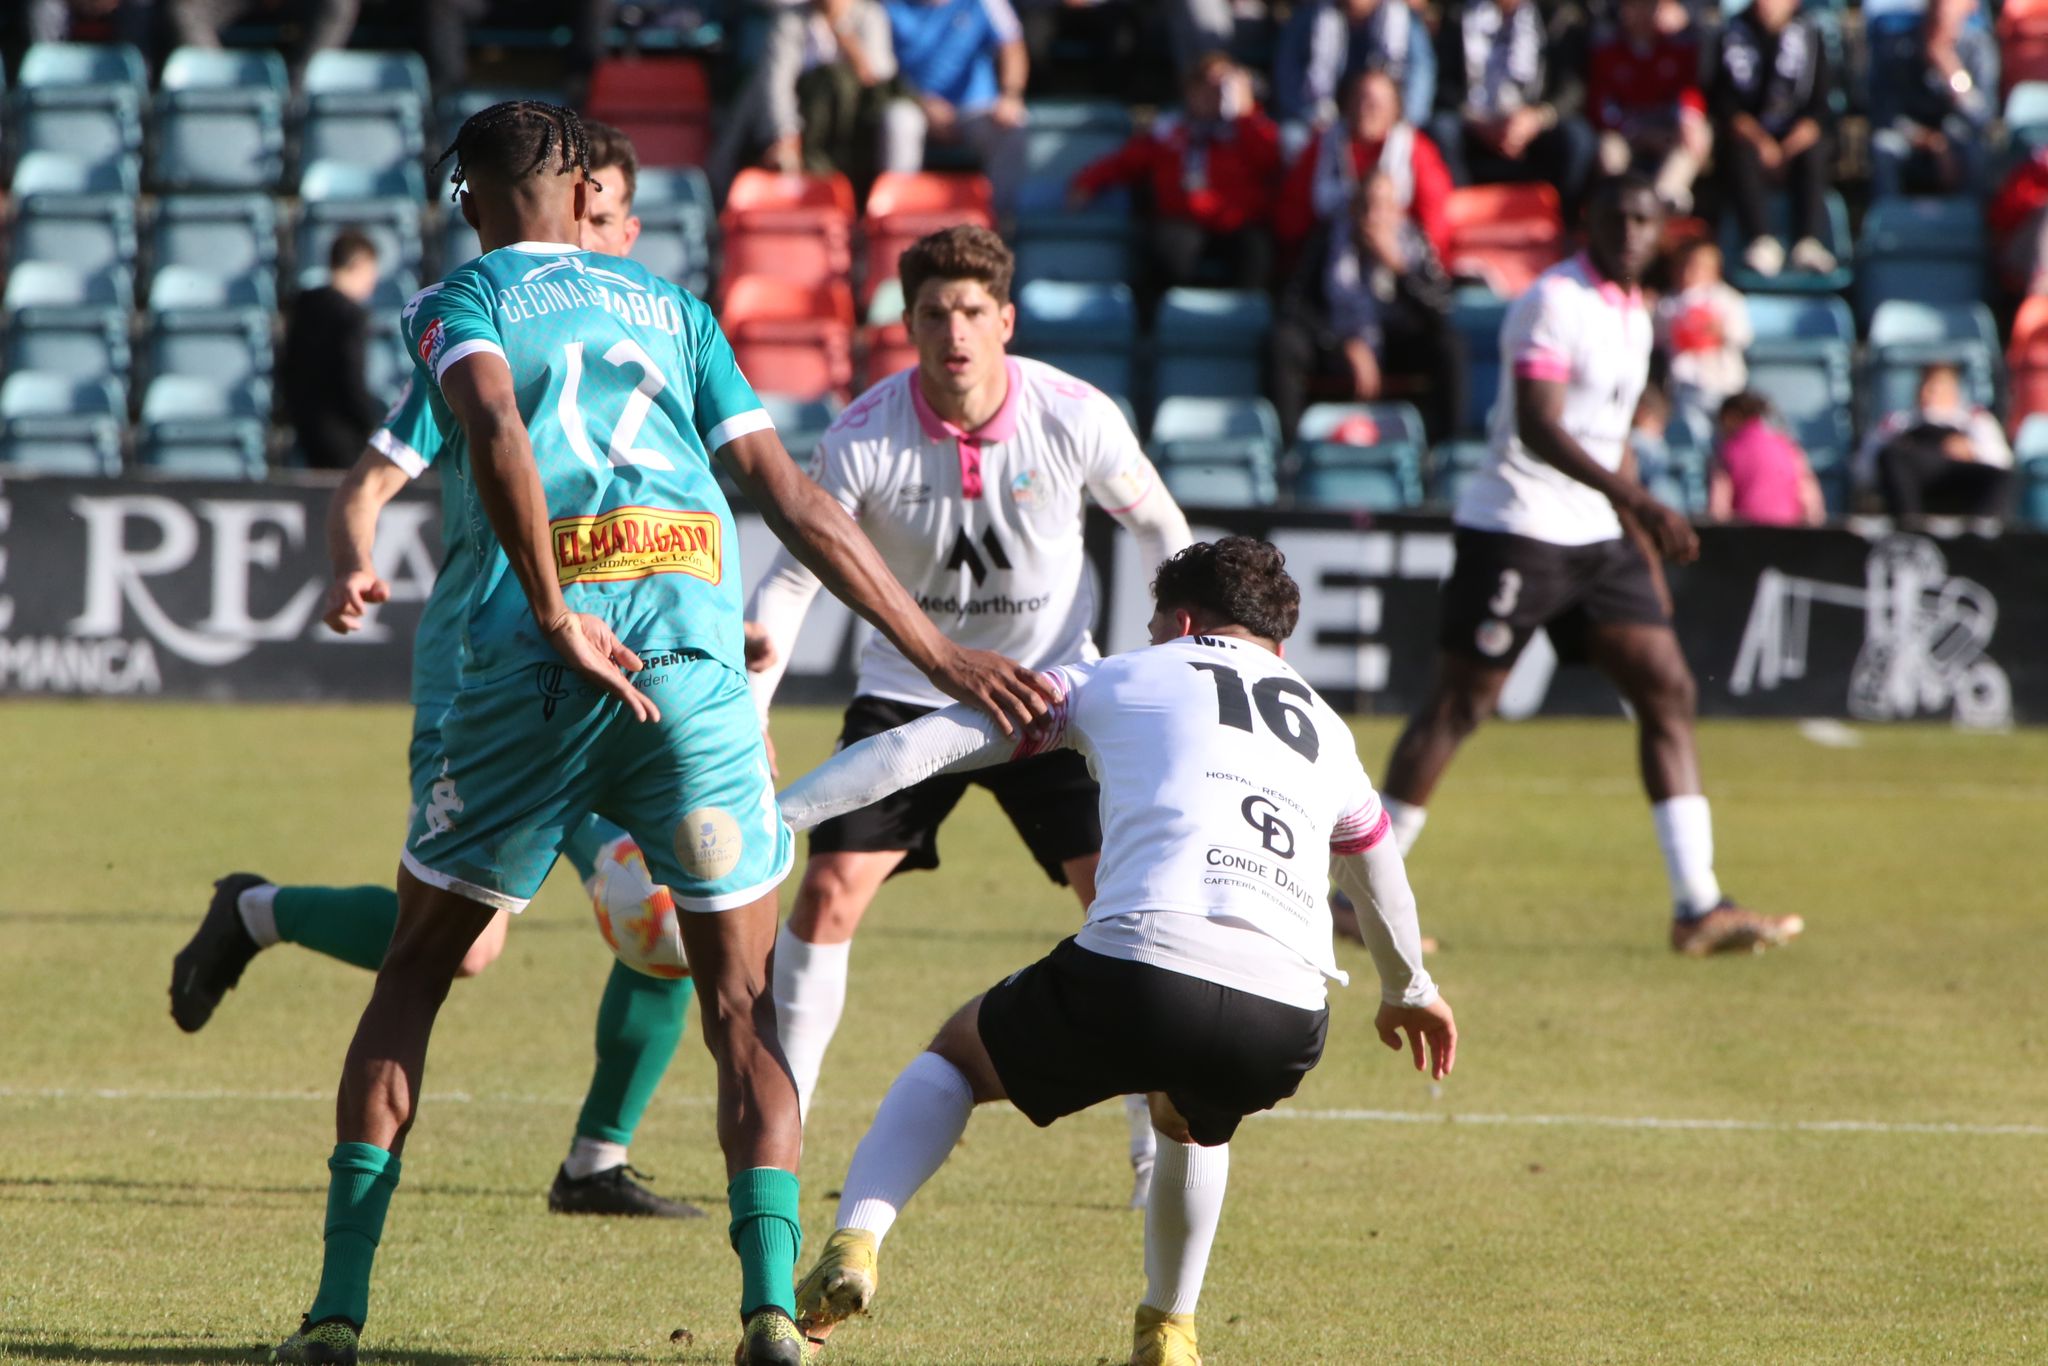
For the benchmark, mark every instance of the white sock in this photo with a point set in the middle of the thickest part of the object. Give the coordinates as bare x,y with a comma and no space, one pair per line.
258,906
589,1156
914,1131
810,996
1406,822
1685,832
1180,1223
1138,1111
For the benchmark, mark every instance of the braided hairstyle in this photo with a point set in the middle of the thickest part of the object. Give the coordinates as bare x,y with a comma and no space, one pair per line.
511,141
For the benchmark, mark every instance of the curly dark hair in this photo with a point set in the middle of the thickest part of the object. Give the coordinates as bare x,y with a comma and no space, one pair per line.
516,139
964,251
1239,580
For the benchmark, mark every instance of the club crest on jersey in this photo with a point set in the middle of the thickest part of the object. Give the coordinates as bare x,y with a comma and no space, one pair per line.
1024,489
1493,638
432,342
1264,817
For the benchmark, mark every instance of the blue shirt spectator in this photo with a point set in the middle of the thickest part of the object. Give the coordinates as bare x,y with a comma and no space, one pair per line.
948,48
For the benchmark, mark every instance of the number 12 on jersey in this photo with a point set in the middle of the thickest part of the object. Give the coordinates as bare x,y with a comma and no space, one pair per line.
1289,723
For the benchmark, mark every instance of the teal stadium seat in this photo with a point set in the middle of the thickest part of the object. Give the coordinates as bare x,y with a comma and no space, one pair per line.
1922,250
1451,465
223,69
82,343
1217,452
229,346
1087,330
384,203
1789,281
377,131
227,235
89,123
1385,476
1477,314
54,284
1906,336
2030,460
56,173
800,422
59,424
1085,260
340,71
48,66
218,140
674,208
1211,342
175,288
86,232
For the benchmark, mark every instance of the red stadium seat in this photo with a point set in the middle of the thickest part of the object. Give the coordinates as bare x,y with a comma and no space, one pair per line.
885,349
804,369
1506,235
2023,57
903,207
755,191
805,257
752,301
662,103
2026,360
798,227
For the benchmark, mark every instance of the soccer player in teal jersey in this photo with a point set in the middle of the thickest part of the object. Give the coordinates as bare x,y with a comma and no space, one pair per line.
582,400
640,1019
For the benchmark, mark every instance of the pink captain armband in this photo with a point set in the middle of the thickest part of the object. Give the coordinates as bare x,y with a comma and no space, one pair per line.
1360,830
1543,365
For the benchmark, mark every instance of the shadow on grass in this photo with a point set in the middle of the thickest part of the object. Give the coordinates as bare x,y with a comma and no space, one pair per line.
25,1188
175,1348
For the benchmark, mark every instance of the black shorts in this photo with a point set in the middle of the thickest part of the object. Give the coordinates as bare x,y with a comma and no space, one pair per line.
1076,1028
1504,586
1051,800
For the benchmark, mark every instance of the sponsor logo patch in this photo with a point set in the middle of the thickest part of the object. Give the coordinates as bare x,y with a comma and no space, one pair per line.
708,843
1024,489
636,542
433,341
1493,638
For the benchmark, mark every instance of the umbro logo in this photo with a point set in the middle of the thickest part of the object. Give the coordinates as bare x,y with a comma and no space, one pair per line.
965,553
914,494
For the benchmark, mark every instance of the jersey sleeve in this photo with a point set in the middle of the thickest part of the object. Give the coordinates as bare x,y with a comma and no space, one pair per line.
726,405
1536,338
409,437
444,323
1362,821
1054,729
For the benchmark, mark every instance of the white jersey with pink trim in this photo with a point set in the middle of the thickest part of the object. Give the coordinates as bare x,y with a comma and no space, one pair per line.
1594,337
983,527
1227,786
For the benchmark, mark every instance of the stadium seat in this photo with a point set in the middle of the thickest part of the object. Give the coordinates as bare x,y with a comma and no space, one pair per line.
1089,331
1901,322
1779,217
798,227
1376,485
1382,475
1087,260
885,348
2026,360
226,235
1082,116
341,71
1211,341
237,69
800,422
87,124
669,186
229,346
459,243
82,343
1477,314
1794,318
197,398
54,284
1505,235
803,369
87,232
1906,336
218,140
1393,421
1921,249
226,448
374,131
50,66
1194,428
330,181
1052,156
662,103
174,288
55,173
1451,465
762,305
903,207
385,205
1204,484
1812,393
453,109
59,424
2026,105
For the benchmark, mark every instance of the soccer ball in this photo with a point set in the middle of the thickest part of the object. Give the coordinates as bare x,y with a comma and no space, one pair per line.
636,916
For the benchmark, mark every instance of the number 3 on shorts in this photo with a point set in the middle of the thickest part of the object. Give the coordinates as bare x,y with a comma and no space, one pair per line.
1507,595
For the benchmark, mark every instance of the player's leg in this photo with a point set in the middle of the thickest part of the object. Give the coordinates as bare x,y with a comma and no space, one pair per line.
814,953
1464,692
1180,1228
1645,662
640,1023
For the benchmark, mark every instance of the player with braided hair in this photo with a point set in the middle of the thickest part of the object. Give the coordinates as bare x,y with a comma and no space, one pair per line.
603,671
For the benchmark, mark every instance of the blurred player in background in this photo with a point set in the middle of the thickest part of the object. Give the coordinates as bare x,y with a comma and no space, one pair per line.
968,471
1557,532
1231,795
582,400
640,1019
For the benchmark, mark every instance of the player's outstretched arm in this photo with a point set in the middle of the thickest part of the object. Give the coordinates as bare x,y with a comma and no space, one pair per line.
1377,882
352,516
830,543
478,390
951,740
1539,422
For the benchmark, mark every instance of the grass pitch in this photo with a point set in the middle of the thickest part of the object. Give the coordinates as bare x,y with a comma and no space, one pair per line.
1639,1158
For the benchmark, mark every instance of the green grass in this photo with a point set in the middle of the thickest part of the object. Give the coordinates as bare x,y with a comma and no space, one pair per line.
177,1218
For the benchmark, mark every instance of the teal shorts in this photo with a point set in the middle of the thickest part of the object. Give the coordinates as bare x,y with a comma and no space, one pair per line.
521,763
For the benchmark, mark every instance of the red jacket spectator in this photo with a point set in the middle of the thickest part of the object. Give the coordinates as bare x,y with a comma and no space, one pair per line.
1425,186
1624,84
1224,182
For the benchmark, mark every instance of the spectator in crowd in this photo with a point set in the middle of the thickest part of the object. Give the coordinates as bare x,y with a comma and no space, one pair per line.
1196,28
1946,456
1933,95
2018,217
1511,87
1368,300
326,398
963,68
826,77
1371,136
1101,34
1772,124
1328,40
1702,330
443,29
1759,474
1212,173
1643,91
323,24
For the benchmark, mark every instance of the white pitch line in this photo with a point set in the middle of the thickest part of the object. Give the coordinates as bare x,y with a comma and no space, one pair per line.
1447,1117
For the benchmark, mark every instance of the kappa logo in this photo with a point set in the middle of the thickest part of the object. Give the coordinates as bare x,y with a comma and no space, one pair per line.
1264,817
965,554
443,806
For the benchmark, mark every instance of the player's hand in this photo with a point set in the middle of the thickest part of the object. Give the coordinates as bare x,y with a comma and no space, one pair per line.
1432,1024
1667,529
760,649
587,644
1011,694
349,598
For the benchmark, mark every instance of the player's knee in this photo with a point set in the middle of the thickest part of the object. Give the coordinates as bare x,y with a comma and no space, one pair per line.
829,905
1458,712
1670,696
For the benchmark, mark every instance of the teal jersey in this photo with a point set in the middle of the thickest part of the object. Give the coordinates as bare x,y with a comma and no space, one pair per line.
410,438
626,387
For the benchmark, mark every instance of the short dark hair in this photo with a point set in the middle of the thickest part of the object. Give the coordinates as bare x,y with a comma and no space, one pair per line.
517,139
350,245
1238,581
1607,189
1745,407
610,147
965,251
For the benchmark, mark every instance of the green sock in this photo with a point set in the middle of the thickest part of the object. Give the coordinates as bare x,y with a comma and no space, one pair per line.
767,1234
353,924
586,841
358,1194
639,1024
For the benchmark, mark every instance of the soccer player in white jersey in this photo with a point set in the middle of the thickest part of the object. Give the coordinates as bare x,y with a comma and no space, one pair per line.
968,473
1231,794
1553,533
